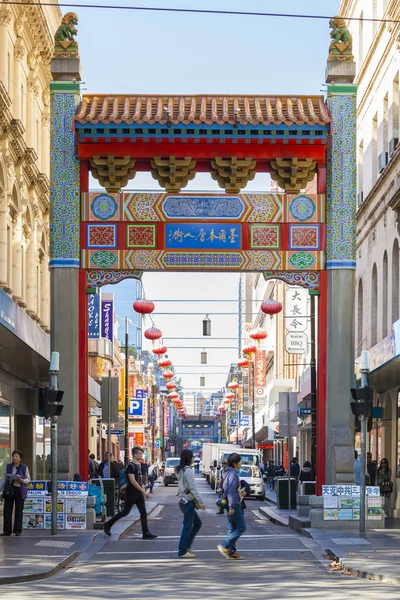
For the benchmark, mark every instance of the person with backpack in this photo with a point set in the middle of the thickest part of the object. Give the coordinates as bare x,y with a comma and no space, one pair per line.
189,502
236,522
220,491
135,494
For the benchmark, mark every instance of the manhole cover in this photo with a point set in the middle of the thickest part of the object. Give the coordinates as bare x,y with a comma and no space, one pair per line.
54,544
350,542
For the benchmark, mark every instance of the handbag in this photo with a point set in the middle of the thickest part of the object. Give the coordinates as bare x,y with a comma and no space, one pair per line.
191,496
8,490
221,502
386,487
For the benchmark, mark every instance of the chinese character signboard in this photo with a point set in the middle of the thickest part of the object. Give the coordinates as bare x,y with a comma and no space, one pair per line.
201,235
342,502
260,372
296,320
107,301
94,316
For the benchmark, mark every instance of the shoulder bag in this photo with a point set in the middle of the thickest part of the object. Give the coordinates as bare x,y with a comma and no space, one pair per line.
9,489
189,494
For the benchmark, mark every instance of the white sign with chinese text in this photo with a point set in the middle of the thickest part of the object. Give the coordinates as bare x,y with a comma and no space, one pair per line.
296,299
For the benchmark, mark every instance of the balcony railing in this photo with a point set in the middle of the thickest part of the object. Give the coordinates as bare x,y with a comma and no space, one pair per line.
101,347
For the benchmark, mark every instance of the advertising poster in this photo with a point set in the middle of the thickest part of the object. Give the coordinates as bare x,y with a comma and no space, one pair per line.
75,506
331,501
356,514
33,521
374,513
77,488
60,521
60,505
33,506
374,502
75,521
345,514
330,514
346,502
37,488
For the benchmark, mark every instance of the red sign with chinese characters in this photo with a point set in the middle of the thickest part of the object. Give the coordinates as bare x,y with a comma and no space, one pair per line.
260,369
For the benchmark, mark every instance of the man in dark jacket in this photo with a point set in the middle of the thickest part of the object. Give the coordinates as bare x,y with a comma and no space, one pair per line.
371,469
295,468
103,468
236,522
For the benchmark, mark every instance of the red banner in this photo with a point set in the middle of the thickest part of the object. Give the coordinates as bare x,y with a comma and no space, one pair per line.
260,369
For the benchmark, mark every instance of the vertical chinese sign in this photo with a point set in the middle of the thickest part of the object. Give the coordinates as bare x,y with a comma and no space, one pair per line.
260,373
94,316
107,316
296,320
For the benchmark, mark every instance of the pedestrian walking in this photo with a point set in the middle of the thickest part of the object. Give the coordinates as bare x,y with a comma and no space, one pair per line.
306,472
145,471
295,468
371,469
135,494
357,468
384,480
271,475
92,466
236,522
220,491
189,502
14,487
103,468
153,475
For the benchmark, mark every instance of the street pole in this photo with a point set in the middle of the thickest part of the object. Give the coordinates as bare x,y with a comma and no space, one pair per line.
253,409
54,371
237,417
126,459
109,423
364,370
288,451
313,387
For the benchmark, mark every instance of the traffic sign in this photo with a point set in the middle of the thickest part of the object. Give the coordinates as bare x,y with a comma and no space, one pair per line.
305,411
136,406
158,444
233,421
244,421
116,432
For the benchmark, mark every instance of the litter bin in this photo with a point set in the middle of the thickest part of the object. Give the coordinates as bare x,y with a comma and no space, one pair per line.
282,492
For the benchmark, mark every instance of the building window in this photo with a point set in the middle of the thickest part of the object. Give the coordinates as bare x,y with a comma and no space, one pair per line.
385,123
385,283
360,166
360,40
374,305
360,313
395,281
395,108
374,148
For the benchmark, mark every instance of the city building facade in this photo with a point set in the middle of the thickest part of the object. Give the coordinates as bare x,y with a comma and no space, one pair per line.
376,50
26,48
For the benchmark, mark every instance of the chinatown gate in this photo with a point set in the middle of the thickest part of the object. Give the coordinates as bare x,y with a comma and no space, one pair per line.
304,239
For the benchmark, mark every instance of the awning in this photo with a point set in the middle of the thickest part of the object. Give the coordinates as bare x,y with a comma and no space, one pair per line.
386,376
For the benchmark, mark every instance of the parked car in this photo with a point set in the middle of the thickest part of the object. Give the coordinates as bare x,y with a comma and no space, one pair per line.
169,471
253,476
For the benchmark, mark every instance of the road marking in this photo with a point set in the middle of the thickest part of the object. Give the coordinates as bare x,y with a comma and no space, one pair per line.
243,537
304,550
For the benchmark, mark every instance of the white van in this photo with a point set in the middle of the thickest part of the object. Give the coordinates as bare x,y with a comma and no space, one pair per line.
169,471
253,476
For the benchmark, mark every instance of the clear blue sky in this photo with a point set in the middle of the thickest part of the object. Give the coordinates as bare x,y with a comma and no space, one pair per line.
139,52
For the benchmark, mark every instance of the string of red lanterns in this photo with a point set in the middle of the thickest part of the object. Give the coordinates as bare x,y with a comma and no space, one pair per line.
271,307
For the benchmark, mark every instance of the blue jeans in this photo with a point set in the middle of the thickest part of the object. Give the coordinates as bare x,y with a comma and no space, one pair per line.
191,527
236,528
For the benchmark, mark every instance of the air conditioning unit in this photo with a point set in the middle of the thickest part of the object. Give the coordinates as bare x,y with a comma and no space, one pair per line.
360,199
382,161
394,142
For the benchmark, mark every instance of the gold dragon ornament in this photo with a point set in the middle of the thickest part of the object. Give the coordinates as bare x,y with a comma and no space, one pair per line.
341,46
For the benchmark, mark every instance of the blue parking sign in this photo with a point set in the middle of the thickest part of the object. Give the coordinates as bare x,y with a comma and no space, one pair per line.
136,407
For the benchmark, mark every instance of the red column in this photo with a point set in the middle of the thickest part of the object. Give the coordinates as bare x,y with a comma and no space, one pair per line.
321,361
83,355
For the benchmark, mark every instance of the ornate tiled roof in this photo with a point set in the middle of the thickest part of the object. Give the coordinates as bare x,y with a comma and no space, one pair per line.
209,110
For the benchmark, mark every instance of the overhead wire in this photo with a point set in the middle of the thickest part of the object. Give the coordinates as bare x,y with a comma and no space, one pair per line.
208,11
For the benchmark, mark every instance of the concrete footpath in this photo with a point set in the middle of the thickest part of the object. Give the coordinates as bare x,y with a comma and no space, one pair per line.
39,555
374,555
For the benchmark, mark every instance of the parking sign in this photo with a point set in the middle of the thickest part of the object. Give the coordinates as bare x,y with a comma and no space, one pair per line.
136,404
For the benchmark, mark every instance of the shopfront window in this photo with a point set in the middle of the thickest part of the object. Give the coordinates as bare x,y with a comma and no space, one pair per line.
5,441
42,448
398,435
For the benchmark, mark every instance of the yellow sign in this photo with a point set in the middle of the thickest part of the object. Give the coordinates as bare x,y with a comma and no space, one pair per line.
121,397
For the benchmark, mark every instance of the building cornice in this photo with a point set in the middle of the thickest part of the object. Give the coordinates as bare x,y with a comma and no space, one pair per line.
40,31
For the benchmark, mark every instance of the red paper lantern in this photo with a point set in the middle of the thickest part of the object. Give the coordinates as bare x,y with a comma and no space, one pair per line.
250,350
227,401
168,374
153,334
160,350
230,396
243,363
233,385
271,307
258,335
221,408
170,385
164,362
144,307
174,396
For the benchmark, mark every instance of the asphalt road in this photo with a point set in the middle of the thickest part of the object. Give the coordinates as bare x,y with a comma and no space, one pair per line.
278,564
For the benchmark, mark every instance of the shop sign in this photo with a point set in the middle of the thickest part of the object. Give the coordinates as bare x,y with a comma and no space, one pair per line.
107,302
94,316
296,342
